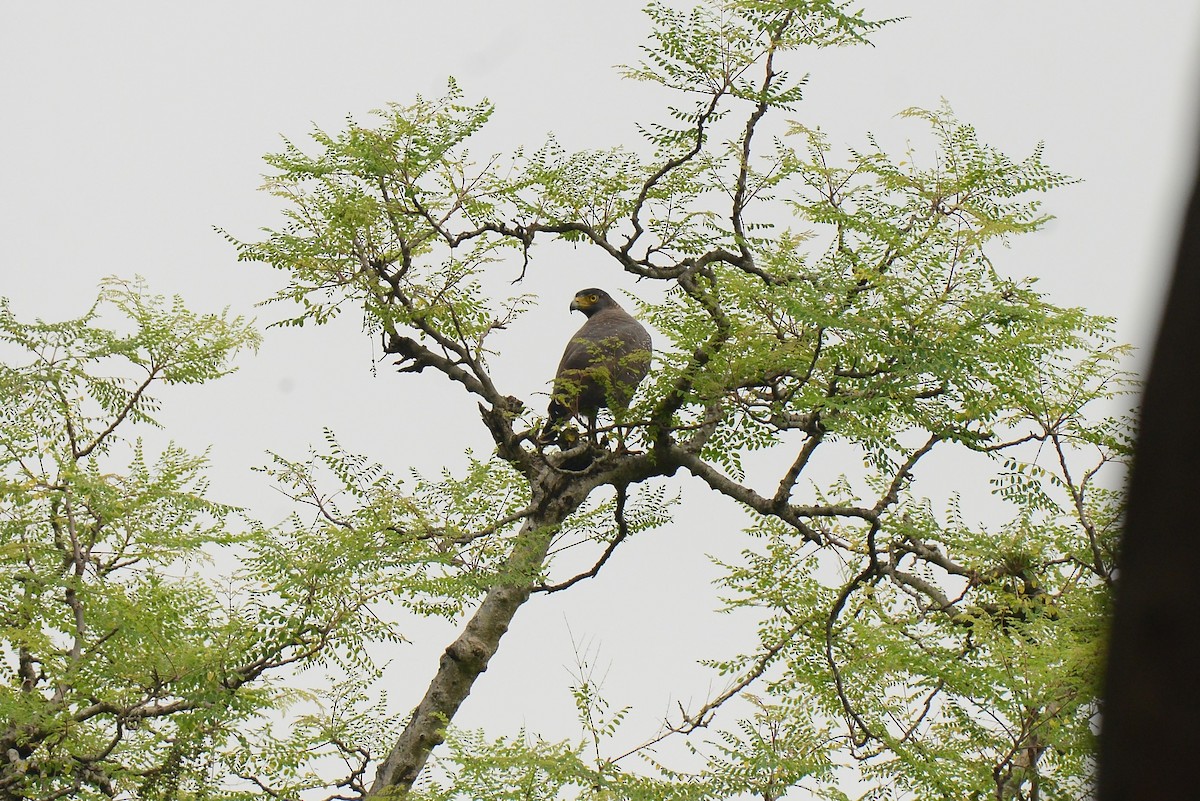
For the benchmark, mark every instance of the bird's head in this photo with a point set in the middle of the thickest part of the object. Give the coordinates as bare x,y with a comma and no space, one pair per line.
590,301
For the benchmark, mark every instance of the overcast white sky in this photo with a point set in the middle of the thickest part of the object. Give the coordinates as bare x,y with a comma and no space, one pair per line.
131,129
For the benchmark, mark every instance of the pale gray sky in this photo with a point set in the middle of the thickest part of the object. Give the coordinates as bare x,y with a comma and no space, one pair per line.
130,129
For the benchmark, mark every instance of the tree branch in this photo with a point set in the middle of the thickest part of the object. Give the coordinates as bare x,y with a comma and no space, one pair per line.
468,656
126,408
739,195
618,538
699,719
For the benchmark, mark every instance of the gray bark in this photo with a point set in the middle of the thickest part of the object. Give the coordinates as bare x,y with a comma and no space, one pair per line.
468,656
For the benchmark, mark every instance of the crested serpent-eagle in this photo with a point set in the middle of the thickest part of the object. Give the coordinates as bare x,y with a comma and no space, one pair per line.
602,365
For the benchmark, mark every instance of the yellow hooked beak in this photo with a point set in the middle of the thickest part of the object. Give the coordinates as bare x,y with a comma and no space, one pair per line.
581,302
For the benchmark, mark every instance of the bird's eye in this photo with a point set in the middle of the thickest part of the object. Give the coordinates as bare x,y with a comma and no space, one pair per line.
592,298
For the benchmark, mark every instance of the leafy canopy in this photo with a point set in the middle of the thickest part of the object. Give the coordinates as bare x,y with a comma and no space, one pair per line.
815,309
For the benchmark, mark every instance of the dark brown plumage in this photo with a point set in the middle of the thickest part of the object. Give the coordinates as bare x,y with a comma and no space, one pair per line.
602,365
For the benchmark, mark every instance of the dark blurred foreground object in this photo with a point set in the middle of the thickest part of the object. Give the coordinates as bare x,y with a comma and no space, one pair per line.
1150,724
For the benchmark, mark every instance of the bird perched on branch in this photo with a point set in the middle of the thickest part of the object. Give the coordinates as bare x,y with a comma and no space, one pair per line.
601,367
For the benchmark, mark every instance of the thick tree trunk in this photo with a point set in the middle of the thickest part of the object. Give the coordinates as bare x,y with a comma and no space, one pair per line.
467,657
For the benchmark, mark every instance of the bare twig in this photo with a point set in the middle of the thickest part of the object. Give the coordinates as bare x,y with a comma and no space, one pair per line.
618,538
